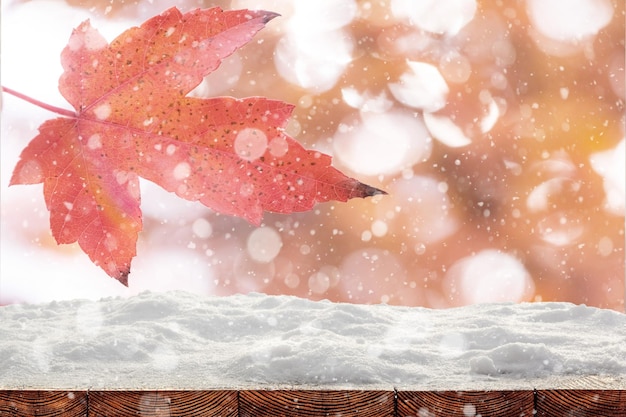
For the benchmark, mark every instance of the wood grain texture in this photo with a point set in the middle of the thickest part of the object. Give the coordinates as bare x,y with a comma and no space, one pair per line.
43,403
163,403
465,403
232,403
581,403
316,403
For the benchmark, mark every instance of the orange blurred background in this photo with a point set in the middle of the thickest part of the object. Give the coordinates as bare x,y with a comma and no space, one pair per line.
497,129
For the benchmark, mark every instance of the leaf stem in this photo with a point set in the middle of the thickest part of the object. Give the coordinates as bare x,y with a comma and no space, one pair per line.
54,109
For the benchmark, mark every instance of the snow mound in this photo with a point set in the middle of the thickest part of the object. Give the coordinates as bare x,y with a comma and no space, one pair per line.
178,340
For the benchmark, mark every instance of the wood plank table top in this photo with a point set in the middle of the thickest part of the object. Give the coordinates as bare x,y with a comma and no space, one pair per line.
323,402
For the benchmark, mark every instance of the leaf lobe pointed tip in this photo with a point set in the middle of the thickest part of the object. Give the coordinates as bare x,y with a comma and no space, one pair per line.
369,191
123,277
267,16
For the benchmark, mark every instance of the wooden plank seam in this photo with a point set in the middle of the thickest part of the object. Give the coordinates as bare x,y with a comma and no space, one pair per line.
241,403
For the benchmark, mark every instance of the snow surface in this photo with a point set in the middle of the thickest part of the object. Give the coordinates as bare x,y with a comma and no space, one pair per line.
178,340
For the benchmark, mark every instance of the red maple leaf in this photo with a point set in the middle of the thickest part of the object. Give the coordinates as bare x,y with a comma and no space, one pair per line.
133,119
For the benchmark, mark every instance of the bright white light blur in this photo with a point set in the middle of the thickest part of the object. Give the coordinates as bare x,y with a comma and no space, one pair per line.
315,51
264,244
611,165
379,228
539,198
569,21
313,61
202,228
422,87
560,229
25,72
319,283
366,101
321,15
490,276
446,131
438,16
383,143
250,143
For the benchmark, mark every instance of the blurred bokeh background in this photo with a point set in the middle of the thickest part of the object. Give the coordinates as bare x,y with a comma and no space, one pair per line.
496,127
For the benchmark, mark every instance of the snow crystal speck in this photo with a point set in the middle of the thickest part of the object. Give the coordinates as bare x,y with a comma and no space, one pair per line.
102,111
94,141
319,283
121,177
94,41
132,187
605,246
292,280
250,143
379,228
278,146
181,171
182,189
246,190
154,403
170,149
110,242
202,228
31,172
469,410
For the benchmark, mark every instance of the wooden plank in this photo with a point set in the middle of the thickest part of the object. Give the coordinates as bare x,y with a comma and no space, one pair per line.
465,403
231,403
163,403
285,403
581,403
43,403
